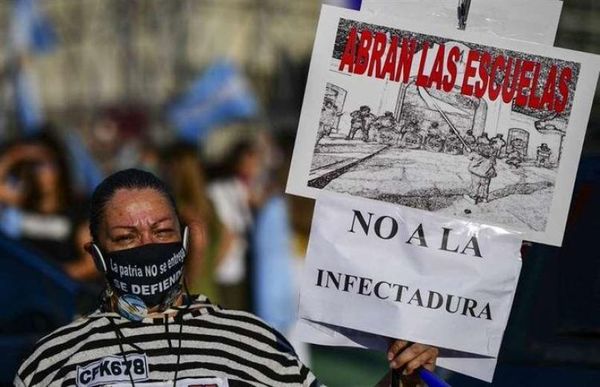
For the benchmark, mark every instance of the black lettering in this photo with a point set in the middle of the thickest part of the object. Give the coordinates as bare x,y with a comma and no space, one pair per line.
449,304
319,277
376,290
363,285
472,245
420,235
127,367
104,368
115,367
336,281
349,281
488,312
138,367
416,296
430,300
399,291
85,377
445,241
393,230
361,220
469,306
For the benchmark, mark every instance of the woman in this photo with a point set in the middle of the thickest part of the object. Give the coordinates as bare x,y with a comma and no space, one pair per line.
147,329
38,203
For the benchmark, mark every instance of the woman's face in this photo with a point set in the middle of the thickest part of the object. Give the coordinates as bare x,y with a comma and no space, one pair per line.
136,217
47,173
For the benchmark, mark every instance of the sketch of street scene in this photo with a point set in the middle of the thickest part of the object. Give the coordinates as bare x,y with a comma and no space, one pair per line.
438,151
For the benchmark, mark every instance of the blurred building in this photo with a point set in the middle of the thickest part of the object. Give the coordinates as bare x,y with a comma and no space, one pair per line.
146,51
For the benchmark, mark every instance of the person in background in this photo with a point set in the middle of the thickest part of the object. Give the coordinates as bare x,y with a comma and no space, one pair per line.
234,198
275,290
39,205
82,267
118,134
184,174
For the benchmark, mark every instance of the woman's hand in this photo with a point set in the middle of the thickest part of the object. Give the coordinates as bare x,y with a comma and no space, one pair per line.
411,356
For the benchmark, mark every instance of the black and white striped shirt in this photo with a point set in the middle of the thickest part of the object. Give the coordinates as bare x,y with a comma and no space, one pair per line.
104,349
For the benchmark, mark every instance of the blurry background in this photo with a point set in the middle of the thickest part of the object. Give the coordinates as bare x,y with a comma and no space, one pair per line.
207,94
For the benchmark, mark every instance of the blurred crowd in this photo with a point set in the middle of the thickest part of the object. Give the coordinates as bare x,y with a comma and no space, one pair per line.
244,257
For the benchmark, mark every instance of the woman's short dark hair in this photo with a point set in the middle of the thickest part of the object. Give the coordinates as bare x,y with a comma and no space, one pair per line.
125,179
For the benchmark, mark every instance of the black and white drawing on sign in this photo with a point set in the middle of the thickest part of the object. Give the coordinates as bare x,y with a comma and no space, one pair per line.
438,150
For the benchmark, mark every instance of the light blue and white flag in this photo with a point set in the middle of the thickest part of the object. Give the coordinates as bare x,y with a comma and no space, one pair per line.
220,95
31,33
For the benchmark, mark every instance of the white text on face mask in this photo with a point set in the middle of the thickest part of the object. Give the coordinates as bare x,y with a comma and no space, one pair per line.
151,289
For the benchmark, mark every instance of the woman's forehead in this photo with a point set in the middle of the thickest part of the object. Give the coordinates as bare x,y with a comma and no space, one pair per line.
145,205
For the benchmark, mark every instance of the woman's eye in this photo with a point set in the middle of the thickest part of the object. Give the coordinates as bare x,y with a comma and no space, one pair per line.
164,233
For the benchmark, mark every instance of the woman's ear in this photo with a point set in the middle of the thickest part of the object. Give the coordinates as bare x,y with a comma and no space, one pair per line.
88,247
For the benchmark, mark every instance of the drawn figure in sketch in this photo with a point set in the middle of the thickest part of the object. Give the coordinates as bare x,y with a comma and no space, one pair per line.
483,140
329,115
515,152
470,140
434,141
482,169
453,145
411,138
499,145
361,119
385,129
543,156
411,126
324,120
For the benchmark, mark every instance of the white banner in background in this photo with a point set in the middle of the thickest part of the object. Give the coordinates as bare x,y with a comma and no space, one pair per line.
404,273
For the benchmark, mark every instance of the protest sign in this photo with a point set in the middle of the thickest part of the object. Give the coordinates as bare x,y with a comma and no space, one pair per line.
403,273
453,122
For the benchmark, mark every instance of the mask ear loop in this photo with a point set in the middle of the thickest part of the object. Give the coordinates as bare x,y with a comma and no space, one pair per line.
186,243
186,239
99,259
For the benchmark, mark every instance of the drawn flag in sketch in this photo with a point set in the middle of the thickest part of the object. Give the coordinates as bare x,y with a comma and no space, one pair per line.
442,120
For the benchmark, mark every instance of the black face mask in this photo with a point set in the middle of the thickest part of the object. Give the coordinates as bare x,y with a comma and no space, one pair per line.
149,272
